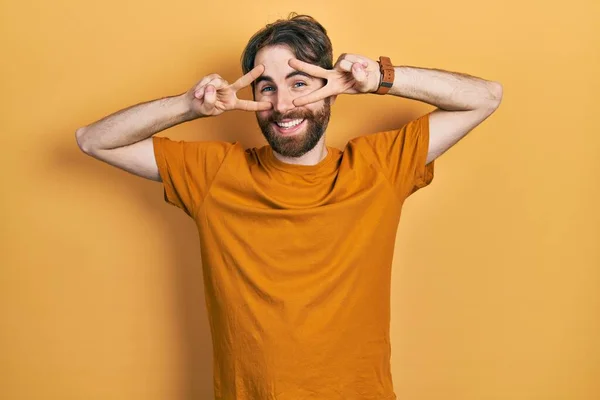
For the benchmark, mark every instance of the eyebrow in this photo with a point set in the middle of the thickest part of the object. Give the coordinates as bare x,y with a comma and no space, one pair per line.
288,76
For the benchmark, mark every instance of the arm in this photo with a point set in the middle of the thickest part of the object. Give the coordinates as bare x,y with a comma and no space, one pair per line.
462,101
134,124
123,139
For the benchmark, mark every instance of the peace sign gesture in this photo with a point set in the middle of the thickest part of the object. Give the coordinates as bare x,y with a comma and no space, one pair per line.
351,74
213,95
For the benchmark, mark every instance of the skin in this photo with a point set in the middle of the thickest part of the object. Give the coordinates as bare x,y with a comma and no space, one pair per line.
274,93
462,102
280,84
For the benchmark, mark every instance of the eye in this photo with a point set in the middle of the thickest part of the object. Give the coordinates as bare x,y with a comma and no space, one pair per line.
299,83
265,89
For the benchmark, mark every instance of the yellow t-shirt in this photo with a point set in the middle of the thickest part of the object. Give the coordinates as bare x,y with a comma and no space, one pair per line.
297,259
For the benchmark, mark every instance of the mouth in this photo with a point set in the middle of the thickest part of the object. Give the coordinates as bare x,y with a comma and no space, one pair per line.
289,127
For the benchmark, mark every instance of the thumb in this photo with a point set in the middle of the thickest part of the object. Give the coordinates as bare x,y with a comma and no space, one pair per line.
358,73
210,97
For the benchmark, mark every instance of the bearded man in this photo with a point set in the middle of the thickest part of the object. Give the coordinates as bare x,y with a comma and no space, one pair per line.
296,237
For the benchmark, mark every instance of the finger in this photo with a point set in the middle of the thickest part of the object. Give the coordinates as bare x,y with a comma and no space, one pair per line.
205,80
210,96
354,58
313,97
218,83
311,69
346,65
248,78
358,73
199,93
201,86
249,105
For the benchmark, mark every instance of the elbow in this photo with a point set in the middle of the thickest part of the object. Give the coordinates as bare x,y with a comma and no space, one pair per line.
496,92
79,138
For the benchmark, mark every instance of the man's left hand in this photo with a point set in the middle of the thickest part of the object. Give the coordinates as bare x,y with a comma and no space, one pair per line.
351,74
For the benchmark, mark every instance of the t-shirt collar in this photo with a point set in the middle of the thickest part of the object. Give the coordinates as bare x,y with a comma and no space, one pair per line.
273,161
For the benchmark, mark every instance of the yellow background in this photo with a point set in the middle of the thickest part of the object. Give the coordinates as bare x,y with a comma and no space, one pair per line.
496,276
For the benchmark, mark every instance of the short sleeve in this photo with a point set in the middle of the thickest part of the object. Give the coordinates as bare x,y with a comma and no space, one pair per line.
401,154
187,169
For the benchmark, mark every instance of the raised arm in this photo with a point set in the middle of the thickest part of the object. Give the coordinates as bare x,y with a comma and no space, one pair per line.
123,139
462,101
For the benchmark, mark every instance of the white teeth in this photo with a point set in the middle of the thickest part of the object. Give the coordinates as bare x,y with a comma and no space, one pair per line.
290,124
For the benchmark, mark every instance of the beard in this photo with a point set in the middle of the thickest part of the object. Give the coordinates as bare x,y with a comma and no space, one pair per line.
301,143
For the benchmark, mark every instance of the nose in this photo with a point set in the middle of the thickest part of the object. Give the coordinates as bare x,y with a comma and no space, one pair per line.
284,103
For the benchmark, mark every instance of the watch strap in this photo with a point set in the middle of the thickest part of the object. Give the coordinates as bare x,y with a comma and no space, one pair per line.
387,75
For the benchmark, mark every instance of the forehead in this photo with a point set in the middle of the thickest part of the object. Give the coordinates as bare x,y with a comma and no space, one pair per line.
275,59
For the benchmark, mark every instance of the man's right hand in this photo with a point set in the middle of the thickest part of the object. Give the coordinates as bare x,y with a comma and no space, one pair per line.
123,139
213,95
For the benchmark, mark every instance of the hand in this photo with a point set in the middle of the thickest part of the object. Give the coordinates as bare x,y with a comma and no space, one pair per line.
351,74
213,95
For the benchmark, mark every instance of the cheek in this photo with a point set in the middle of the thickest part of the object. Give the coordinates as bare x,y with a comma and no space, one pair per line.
263,115
262,97
315,107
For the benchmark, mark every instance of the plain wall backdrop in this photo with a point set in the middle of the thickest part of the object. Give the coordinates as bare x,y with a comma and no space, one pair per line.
496,276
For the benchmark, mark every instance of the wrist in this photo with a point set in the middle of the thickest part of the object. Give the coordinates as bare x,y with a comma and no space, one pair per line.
377,82
184,107
386,75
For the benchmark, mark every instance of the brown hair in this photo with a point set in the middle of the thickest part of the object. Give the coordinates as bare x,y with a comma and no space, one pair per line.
305,37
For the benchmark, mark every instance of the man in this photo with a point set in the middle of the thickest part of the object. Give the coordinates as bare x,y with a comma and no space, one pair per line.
297,237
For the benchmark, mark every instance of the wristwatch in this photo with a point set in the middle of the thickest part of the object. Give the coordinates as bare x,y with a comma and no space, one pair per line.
387,75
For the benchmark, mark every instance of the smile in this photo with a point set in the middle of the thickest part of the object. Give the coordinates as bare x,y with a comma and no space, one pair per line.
289,126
